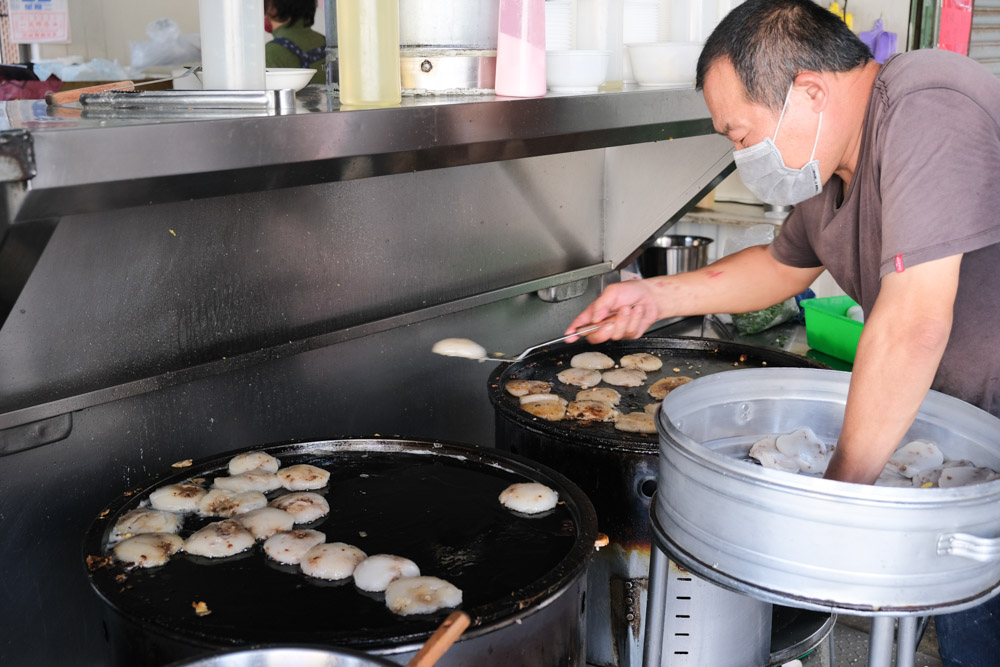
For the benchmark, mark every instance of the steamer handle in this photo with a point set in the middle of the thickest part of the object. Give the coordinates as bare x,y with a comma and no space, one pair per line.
983,549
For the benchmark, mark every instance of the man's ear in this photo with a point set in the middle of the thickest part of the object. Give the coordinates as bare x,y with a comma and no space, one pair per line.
816,88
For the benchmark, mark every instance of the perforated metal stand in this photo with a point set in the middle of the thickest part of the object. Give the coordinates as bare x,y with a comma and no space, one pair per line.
697,622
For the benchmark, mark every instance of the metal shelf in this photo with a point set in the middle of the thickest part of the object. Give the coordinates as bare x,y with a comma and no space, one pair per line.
93,160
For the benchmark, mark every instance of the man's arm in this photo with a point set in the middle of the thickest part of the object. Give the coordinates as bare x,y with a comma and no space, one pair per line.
898,355
748,280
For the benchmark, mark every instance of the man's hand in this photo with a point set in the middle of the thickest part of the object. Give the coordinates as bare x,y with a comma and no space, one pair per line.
633,303
898,355
747,280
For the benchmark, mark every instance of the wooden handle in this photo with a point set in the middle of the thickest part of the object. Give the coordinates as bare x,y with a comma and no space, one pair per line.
441,640
67,96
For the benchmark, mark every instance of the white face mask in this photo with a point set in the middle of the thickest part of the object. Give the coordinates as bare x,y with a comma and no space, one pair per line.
765,174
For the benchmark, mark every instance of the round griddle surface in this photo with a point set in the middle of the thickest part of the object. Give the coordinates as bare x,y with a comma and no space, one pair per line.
434,504
690,357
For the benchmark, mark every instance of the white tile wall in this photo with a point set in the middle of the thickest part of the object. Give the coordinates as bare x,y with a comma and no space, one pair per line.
825,285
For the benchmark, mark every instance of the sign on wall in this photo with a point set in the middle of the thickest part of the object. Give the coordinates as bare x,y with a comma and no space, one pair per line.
38,21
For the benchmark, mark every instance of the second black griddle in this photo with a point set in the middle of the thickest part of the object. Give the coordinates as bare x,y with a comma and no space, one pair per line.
433,503
681,356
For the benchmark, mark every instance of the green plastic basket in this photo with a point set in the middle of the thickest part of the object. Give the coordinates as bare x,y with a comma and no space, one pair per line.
829,330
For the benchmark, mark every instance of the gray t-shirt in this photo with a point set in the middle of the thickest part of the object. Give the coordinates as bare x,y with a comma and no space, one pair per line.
927,186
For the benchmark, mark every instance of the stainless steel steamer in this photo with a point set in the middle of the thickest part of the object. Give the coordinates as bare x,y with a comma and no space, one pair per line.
523,578
448,47
618,473
816,543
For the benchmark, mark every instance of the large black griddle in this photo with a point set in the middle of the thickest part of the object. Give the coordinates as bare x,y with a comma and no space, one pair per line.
693,357
433,503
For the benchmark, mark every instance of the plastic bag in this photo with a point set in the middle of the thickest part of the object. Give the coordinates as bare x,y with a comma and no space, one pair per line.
167,46
74,69
756,321
882,44
759,320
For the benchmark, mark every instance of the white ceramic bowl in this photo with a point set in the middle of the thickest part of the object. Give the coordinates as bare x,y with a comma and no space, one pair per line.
576,71
278,78
296,78
665,64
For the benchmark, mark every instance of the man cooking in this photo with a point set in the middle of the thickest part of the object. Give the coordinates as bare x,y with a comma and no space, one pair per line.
895,173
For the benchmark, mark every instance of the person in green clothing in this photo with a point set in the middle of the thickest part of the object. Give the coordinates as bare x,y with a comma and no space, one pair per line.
295,43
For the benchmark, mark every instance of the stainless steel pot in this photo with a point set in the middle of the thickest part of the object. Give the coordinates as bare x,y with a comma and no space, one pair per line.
672,254
470,24
280,656
818,543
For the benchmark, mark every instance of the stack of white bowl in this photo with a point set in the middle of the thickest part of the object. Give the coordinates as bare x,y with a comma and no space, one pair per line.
560,31
568,69
641,26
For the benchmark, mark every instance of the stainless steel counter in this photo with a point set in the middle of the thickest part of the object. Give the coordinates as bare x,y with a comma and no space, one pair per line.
102,159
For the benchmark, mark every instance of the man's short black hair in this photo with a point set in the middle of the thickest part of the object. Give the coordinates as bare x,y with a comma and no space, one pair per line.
770,42
292,10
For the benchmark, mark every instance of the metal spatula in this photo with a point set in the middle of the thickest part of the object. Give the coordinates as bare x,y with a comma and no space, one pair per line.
580,332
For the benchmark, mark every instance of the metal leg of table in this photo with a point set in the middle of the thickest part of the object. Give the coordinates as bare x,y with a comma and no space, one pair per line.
880,641
656,607
922,628
906,641
830,647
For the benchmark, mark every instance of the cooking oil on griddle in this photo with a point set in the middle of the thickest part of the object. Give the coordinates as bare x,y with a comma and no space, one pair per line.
441,512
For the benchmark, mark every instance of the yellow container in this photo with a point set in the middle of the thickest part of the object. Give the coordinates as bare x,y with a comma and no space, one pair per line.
368,52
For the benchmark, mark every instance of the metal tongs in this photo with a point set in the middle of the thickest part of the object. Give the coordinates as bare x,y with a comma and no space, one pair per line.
520,357
69,96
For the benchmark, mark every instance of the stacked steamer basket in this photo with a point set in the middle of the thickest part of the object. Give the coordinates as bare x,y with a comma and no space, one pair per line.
523,578
886,552
617,471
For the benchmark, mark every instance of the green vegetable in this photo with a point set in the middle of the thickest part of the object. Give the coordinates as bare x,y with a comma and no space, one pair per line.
756,321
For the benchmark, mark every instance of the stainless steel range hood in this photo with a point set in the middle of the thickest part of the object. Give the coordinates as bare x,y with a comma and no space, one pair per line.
500,197
182,285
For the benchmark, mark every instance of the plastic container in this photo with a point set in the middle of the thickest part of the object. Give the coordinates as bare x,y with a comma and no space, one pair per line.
521,49
641,25
232,44
694,20
829,330
560,33
368,51
600,27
